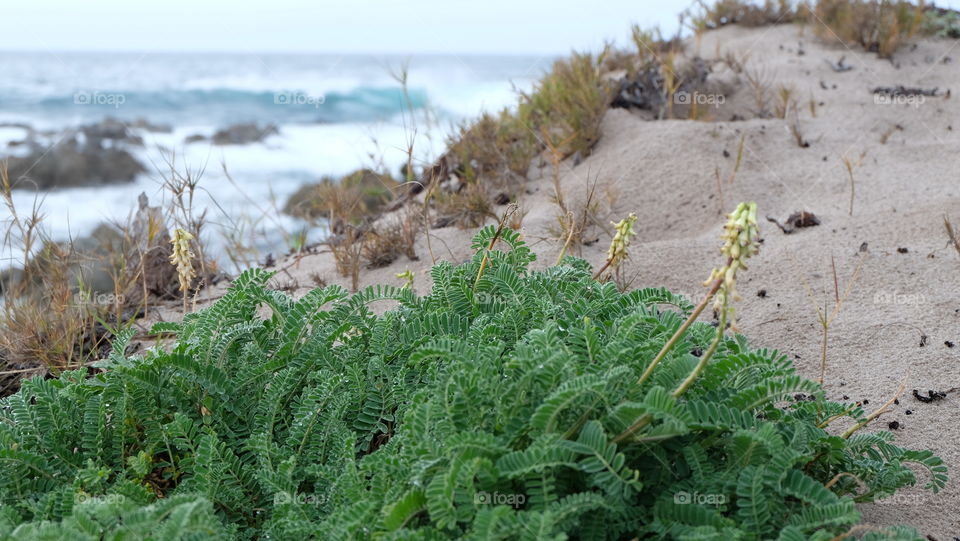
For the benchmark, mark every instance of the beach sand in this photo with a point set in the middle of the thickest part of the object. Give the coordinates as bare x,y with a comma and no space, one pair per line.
904,303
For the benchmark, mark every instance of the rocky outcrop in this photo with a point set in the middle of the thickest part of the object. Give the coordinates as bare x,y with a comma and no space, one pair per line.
242,134
90,155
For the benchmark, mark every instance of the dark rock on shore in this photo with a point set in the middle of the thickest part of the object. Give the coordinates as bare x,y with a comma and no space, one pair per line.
242,134
90,155
71,164
146,125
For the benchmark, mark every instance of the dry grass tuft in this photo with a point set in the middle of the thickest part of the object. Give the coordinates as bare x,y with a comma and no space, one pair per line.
63,300
392,237
569,103
740,12
879,26
467,208
347,251
349,200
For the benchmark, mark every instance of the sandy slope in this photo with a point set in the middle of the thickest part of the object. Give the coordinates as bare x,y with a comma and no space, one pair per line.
665,172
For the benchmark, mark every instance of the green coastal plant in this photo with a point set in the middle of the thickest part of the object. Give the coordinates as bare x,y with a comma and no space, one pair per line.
484,410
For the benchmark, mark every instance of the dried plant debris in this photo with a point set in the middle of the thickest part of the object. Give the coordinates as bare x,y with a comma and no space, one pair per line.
648,90
931,396
901,91
839,66
797,220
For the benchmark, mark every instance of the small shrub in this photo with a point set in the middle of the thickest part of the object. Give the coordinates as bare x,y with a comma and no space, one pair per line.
569,103
487,410
383,245
468,208
350,199
347,248
724,12
940,22
496,149
879,26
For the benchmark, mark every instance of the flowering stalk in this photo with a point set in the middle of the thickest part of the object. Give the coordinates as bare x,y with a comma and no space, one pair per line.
182,257
407,277
740,236
741,241
618,246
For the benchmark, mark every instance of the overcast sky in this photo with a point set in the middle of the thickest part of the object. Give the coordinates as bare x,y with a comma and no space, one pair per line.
342,26
413,26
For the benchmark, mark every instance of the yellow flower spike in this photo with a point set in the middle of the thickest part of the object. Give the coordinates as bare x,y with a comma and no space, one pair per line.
182,256
621,240
618,246
740,236
407,277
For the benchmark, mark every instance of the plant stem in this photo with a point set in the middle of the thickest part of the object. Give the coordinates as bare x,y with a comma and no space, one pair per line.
954,238
605,266
563,251
705,357
823,350
682,330
493,241
645,420
878,412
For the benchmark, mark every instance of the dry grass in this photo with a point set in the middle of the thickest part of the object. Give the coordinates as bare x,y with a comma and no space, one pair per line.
740,12
739,159
347,252
850,165
50,315
885,136
392,237
785,101
495,149
575,219
759,82
951,233
467,208
62,301
349,200
651,47
879,26
569,103
381,248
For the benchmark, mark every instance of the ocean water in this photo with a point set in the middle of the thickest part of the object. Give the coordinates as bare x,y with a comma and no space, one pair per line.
335,113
